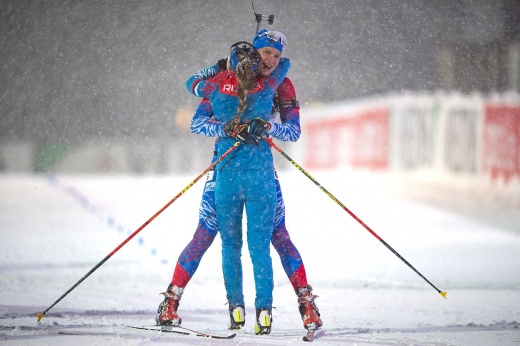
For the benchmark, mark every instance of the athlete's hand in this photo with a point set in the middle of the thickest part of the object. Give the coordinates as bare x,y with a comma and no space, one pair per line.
258,128
239,132
222,64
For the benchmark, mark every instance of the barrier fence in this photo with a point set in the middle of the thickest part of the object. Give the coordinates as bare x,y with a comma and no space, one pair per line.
460,135
452,133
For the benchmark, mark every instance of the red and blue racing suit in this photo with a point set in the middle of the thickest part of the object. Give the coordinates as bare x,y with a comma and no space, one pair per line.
207,229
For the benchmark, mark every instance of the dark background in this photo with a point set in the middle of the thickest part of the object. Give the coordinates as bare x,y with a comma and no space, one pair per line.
73,71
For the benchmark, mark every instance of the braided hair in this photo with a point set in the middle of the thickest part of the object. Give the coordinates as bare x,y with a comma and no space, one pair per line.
244,60
246,82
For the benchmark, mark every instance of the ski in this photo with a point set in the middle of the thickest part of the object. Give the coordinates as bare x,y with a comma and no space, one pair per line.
312,334
183,331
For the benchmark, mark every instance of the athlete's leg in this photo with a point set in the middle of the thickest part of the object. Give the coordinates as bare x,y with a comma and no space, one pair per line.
289,256
206,232
293,266
229,200
191,256
260,209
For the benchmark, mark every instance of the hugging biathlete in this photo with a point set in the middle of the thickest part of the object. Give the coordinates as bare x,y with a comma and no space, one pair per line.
286,105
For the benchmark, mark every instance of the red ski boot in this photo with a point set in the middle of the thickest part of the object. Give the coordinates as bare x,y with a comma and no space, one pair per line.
167,311
308,309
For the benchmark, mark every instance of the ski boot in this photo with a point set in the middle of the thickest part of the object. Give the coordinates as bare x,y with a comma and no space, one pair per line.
237,316
263,321
308,309
167,311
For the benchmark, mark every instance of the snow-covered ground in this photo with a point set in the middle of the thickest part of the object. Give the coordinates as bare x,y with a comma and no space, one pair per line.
55,229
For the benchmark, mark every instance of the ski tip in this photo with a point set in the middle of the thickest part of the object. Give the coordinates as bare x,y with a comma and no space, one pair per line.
40,315
443,294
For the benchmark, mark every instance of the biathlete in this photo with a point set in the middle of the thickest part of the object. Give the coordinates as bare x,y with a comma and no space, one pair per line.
286,104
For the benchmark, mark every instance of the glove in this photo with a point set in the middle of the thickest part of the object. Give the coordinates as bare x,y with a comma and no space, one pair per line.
239,132
222,64
258,128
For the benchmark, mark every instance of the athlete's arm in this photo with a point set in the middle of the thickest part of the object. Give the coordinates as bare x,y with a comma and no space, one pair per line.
203,122
289,109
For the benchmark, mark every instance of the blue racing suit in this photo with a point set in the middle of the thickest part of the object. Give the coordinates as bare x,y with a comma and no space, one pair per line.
289,130
244,179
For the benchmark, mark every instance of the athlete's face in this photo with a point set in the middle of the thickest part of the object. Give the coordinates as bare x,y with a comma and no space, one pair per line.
270,58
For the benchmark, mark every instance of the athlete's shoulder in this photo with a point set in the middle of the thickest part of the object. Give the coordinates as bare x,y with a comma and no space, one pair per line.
286,84
286,90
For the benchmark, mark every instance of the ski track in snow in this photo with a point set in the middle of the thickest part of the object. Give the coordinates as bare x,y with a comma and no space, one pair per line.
111,326
55,230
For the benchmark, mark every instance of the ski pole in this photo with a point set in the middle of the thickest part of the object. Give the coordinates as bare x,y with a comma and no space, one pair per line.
41,314
271,143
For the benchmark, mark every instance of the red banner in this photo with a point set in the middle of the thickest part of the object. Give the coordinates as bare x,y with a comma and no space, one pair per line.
359,140
501,141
